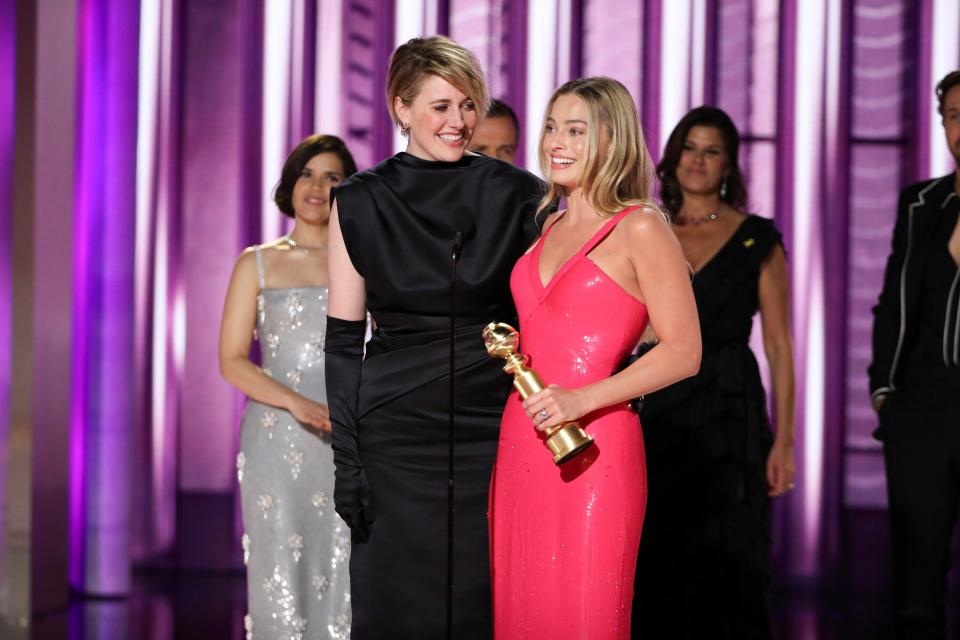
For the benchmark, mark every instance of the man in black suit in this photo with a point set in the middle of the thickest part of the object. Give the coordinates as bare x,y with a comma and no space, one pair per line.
915,385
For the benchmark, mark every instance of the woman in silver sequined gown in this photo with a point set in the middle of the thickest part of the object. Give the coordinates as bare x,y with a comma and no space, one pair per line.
295,546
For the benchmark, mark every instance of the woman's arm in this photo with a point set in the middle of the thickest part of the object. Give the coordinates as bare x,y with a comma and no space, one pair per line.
236,330
344,359
664,281
348,292
778,345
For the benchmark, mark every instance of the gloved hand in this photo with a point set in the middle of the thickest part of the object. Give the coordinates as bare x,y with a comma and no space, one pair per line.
344,357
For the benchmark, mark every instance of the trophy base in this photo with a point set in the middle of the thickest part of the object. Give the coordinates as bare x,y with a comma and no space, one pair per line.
567,441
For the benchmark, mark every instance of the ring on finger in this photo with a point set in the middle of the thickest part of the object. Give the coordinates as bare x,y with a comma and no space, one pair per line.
542,415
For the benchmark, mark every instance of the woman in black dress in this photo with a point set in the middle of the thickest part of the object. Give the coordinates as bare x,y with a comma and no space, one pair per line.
392,234
713,462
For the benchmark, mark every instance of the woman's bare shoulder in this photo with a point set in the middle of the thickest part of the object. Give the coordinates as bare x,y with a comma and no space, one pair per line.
645,221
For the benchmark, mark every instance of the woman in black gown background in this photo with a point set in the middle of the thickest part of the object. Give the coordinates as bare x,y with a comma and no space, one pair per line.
712,461
392,234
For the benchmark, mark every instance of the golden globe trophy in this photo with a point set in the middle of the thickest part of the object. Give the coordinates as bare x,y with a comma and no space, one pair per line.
564,440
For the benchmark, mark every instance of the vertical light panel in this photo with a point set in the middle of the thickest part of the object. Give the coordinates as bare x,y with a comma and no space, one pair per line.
698,53
157,389
541,73
50,255
565,38
409,23
277,43
328,69
675,63
103,368
763,68
298,121
944,58
817,50
147,489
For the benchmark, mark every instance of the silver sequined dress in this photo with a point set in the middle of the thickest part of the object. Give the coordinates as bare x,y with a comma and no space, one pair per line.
297,549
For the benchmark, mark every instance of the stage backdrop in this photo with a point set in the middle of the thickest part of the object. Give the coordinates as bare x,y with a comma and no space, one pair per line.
186,110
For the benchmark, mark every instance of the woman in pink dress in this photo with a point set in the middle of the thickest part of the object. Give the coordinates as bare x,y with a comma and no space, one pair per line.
564,539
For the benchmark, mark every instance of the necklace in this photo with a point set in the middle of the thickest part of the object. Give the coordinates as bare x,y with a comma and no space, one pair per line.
710,217
293,244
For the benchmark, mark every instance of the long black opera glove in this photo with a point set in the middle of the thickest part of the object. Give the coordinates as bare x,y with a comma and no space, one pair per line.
344,356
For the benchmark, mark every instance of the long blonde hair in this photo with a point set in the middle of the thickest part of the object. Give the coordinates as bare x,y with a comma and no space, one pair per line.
620,175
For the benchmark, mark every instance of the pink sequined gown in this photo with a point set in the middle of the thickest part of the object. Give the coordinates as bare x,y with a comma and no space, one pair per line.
564,539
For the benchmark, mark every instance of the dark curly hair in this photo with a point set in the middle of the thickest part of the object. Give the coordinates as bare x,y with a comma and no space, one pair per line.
948,82
298,159
670,193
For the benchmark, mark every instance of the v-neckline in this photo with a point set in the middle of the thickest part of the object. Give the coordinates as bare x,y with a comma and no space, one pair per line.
569,262
723,247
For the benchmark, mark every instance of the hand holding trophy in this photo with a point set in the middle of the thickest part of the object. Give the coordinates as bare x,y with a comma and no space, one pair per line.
564,440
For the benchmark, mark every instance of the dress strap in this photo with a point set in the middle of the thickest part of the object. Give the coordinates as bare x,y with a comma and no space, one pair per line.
538,247
607,229
260,272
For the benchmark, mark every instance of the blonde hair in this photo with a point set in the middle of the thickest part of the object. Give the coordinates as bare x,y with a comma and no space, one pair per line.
620,175
410,63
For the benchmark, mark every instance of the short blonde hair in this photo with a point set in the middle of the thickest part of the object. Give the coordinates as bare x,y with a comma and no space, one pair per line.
620,176
412,62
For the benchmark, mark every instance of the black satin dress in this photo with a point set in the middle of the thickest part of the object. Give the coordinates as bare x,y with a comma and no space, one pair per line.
399,222
702,570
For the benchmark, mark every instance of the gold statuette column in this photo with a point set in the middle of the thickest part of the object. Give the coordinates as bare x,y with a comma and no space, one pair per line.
564,440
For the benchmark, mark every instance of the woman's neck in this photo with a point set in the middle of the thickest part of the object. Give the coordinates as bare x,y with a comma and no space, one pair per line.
310,235
578,208
697,205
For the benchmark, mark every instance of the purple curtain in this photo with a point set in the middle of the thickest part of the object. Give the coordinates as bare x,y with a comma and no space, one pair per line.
158,286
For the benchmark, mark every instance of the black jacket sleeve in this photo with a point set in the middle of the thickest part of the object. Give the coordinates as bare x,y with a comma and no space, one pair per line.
886,313
344,357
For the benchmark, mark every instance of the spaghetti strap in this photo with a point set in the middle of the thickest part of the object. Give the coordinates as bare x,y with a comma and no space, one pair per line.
543,236
584,250
607,229
260,273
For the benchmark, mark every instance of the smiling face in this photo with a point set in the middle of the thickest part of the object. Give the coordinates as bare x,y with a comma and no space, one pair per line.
703,162
442,120
565,142
311,191
951,122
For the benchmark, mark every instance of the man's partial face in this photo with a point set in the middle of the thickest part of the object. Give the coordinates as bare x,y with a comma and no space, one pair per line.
497,138
951,122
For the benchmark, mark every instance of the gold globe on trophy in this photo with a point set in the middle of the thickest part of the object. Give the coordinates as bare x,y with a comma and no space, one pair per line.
564,440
